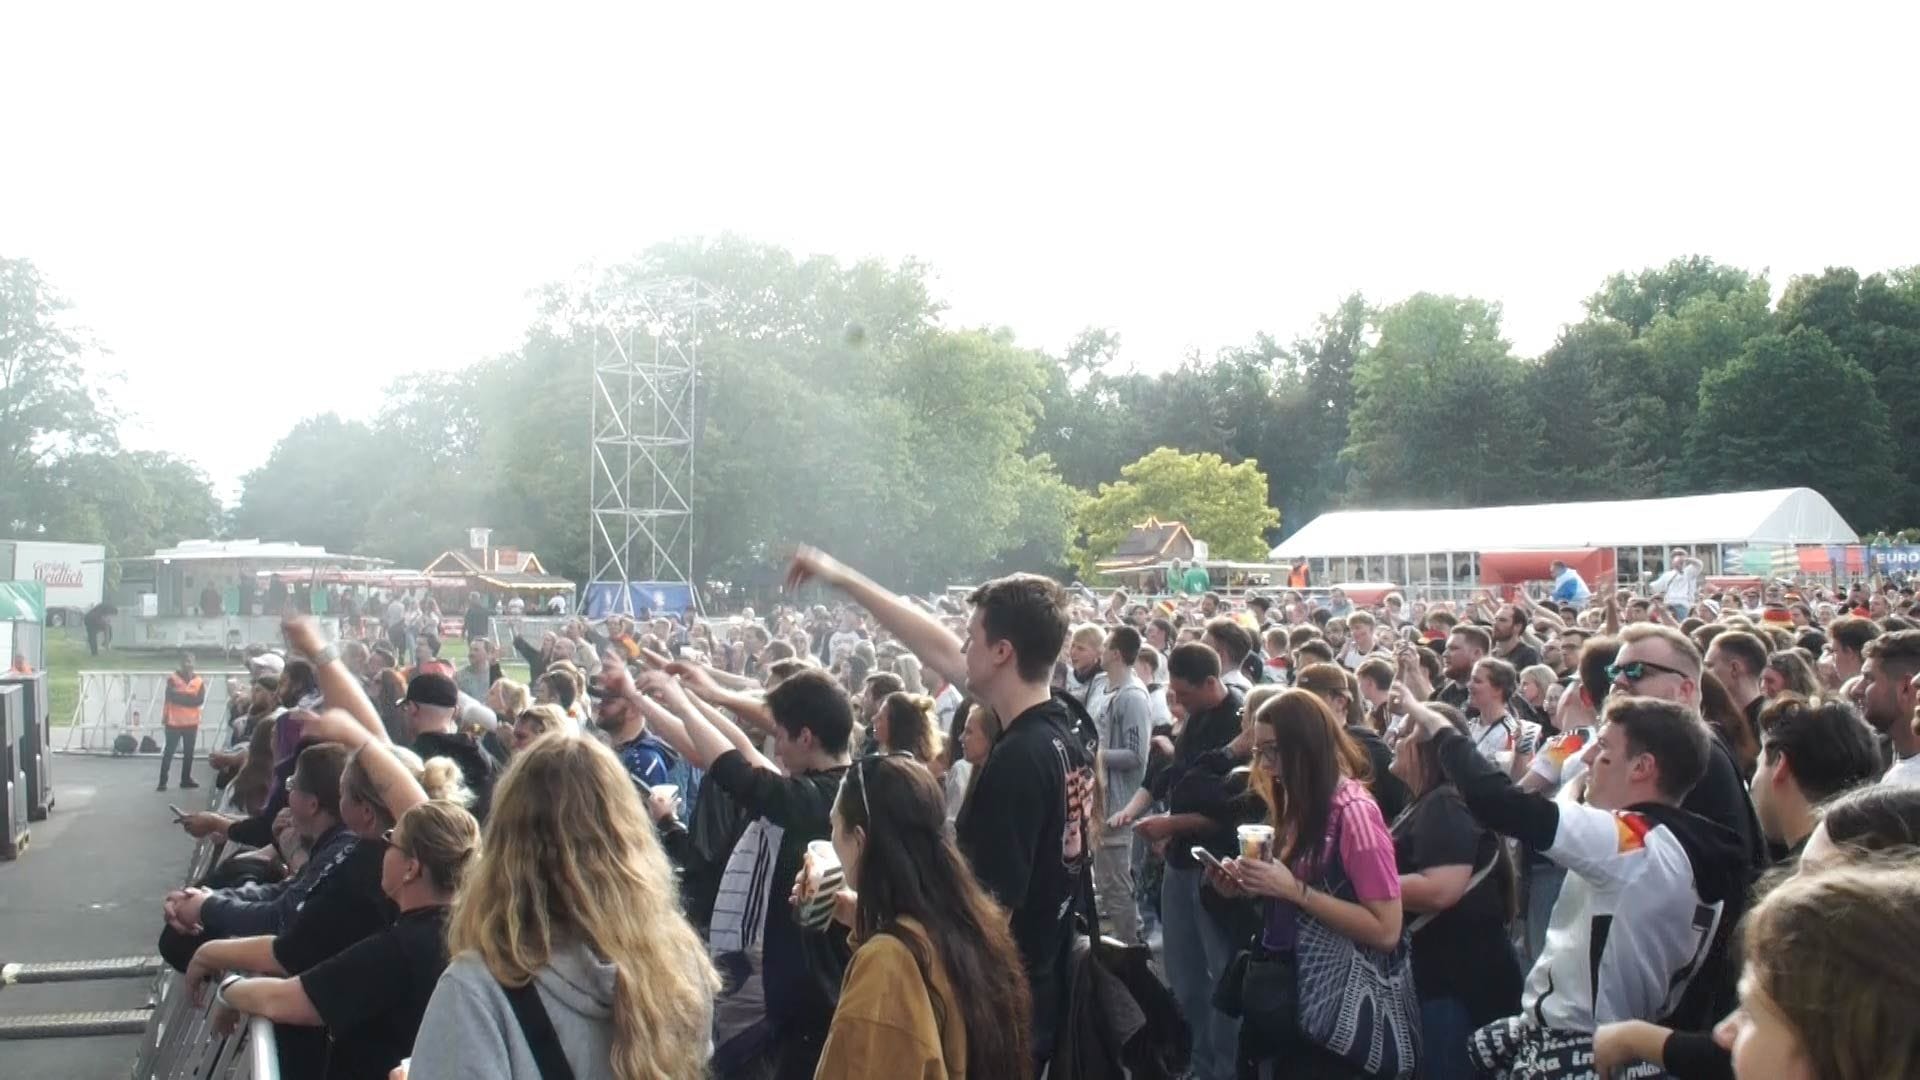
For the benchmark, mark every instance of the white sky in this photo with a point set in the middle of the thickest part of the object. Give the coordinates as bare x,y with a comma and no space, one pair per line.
269,210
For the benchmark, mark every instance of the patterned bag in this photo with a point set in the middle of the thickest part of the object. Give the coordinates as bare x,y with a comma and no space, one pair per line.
1356,1002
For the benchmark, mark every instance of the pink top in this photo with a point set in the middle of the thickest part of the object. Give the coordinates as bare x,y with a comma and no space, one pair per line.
1360,834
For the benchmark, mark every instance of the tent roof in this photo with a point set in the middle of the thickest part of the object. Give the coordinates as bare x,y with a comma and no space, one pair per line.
251,551
1781,516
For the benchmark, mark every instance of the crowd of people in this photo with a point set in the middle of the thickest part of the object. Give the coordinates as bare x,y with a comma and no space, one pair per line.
1044,832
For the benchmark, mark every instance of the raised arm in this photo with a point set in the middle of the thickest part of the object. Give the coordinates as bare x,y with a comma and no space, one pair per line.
338,686
397,788
704,684
926,636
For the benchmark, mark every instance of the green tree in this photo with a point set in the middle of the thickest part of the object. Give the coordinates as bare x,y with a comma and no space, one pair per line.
319,485
1793,411
131,501
1224,505
48,409
1875,321
1439,411
1635,300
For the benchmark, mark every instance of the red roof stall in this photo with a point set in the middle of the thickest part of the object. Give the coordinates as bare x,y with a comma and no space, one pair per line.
1508,570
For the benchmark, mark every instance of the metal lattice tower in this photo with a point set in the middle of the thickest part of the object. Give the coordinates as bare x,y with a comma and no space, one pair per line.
645,369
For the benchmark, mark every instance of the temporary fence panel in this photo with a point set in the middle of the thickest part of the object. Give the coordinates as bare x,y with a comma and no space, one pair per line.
115,703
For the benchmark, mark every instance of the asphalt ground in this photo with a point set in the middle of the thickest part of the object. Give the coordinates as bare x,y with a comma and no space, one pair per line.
88,887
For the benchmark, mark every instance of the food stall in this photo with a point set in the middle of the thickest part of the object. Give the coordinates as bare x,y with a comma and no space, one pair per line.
209,595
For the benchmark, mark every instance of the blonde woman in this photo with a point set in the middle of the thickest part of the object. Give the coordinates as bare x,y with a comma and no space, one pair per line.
569,919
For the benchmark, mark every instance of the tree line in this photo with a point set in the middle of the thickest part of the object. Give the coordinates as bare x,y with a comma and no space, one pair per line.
836,405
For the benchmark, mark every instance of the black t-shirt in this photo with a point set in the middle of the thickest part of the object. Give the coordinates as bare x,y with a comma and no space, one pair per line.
1462,953
372,996
800,972
1203,738
1011,831
1522,657
477,767
344,906
1389,791
1206,730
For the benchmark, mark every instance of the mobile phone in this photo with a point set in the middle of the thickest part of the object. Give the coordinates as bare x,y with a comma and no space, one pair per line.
178,814
1207,857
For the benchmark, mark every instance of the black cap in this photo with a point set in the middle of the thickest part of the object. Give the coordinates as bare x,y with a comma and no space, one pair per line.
434,689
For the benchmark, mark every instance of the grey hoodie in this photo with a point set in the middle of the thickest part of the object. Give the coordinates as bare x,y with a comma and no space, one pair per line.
469,1032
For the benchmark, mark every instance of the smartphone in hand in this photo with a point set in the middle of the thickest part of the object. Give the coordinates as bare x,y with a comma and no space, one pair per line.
1207,857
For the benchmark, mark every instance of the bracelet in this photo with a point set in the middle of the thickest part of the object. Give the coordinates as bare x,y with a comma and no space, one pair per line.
325,656
220,992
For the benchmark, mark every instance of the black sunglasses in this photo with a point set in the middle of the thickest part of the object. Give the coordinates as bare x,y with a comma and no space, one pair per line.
1635,670
387,839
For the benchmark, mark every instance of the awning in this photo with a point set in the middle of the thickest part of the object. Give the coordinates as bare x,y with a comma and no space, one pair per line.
23,601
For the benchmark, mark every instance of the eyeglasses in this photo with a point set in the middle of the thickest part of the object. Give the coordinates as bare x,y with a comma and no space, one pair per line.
387,839
1636,670
1267,753
860,780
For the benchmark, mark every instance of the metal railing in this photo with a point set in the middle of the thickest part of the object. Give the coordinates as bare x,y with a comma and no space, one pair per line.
180,1041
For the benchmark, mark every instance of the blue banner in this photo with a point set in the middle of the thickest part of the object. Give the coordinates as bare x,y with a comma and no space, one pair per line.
1891,560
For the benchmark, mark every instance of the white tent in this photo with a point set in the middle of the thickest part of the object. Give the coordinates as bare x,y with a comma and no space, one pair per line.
1780,517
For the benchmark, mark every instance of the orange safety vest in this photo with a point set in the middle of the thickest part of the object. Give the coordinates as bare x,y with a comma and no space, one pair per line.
183,716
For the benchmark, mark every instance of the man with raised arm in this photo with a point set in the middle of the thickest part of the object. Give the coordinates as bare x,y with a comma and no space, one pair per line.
1025,826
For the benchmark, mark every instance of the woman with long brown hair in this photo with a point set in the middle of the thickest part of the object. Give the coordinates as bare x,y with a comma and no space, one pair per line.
1730,720
1465,973
936,987
1339,688
1328,839
570,913
905,724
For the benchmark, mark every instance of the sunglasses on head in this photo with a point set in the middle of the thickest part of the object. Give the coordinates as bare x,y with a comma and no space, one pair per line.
860,780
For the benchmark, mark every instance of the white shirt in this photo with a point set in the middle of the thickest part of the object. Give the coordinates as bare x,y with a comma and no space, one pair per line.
1905,771
1680,587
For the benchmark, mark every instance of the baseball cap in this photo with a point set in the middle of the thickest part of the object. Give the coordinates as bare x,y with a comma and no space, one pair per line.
433,689
267,664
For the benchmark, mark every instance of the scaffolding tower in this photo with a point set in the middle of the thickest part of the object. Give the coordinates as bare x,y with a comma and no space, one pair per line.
645,371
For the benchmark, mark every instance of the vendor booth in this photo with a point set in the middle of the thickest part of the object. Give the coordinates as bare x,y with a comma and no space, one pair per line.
209,595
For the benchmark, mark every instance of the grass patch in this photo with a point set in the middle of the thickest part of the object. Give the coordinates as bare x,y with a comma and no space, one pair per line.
67,657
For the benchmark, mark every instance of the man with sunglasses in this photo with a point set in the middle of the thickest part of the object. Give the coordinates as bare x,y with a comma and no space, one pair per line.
1660,662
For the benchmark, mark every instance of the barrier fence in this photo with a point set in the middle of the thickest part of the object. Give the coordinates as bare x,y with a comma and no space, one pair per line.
180,1041
133,703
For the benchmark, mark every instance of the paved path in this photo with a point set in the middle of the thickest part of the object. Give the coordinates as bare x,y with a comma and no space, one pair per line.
89,888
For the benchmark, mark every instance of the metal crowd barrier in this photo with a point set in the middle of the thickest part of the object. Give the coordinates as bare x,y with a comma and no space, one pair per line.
180,1042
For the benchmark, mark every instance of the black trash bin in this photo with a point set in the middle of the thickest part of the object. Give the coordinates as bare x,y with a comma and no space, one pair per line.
13,782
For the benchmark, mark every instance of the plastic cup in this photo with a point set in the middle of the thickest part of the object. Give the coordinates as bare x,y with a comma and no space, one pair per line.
1256,842
821,878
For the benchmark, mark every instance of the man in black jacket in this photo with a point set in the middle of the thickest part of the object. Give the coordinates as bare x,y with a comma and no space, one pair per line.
1026,827
431,701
